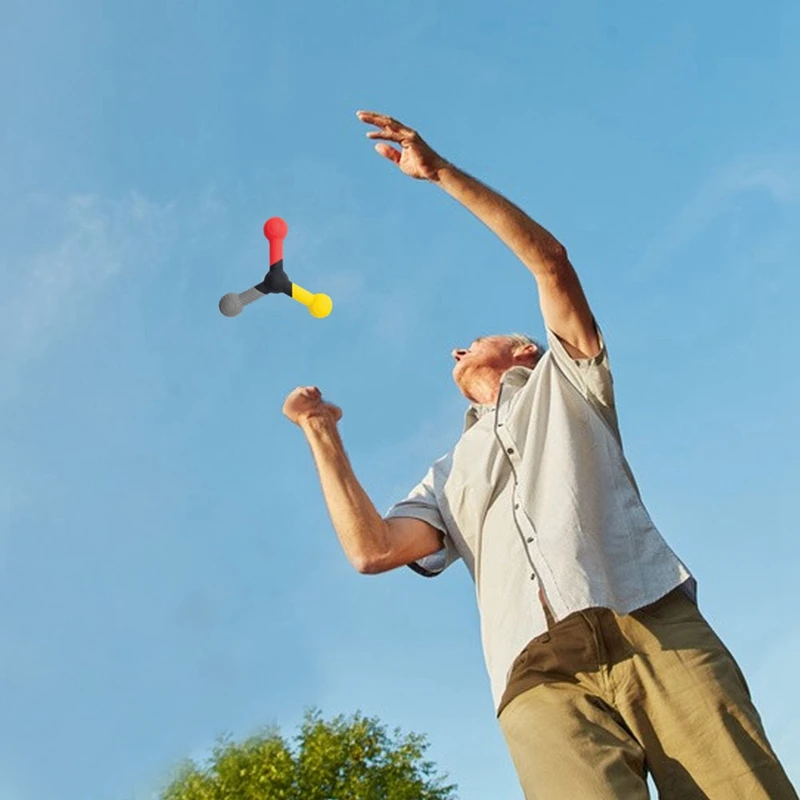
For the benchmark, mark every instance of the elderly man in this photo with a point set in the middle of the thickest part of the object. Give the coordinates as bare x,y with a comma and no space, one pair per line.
602,667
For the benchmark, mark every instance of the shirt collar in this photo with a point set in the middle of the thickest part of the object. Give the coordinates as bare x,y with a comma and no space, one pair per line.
511,382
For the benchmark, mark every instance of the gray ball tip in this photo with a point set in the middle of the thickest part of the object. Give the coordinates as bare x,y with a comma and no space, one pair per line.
230,305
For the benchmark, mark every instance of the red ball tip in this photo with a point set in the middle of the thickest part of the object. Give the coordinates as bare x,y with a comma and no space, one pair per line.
275,228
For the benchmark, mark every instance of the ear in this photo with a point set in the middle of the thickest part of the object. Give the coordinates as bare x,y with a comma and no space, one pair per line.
527,355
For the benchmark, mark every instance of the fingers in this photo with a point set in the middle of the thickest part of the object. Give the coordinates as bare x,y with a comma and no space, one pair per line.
383,121
307,391
374,118
389,135
388,152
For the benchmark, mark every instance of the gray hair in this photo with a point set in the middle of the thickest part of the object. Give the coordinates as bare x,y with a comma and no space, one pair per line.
523,340
520,340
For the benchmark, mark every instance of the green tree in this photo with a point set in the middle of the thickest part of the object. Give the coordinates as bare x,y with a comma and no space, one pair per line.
338,759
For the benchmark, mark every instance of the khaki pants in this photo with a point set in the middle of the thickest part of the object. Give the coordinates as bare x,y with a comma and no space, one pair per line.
602,698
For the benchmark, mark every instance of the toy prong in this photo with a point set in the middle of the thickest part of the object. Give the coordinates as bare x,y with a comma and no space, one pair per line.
319,305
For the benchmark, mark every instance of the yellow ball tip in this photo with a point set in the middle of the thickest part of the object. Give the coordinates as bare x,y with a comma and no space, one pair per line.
320,306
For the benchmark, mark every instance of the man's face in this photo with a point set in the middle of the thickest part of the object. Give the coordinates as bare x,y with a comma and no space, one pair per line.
493,353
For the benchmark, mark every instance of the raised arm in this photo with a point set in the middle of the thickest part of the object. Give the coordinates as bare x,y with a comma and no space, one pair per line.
564,306
370,543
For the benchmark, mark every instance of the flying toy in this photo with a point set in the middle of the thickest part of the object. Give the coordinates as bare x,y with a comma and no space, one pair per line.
276,280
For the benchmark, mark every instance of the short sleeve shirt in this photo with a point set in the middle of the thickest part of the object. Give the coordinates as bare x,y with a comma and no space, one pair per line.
537,495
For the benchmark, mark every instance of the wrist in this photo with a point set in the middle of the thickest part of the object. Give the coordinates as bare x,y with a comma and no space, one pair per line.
441,169
318,421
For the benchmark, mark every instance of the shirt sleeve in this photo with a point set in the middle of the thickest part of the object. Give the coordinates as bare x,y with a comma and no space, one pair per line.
421,503
590,376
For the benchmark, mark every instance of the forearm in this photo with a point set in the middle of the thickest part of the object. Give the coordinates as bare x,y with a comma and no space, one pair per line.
361,530
535,246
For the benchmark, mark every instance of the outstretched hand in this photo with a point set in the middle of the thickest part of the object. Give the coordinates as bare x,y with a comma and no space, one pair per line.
415,158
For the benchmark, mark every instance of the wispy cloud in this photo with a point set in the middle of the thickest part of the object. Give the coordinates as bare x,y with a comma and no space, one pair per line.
776,176
100,240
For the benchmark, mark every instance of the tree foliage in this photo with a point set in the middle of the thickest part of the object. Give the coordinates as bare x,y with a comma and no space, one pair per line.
340,759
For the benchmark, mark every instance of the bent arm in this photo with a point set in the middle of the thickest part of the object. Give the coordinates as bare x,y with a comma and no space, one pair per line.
370,543
564,306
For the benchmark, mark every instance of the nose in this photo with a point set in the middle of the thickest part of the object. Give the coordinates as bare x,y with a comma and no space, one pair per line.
458,354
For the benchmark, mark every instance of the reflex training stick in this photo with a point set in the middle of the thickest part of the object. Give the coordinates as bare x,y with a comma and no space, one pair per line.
276,281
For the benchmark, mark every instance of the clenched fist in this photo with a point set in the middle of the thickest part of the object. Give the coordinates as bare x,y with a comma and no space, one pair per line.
306,402
415,157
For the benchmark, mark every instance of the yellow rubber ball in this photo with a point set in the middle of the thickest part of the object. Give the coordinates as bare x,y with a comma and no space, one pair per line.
321,306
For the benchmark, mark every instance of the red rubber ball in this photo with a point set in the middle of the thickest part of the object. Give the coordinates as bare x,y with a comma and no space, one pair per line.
275,228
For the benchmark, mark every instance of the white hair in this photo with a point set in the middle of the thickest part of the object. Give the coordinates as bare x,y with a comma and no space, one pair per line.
523,340
520,340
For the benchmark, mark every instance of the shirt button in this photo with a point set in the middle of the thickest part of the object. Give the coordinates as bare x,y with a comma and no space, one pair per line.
533,576
530,539
510,450
516,505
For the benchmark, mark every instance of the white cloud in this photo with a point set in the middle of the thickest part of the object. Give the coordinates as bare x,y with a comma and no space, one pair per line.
48,289
776,176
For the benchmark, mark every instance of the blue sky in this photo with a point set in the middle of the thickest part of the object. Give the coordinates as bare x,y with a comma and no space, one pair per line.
168,571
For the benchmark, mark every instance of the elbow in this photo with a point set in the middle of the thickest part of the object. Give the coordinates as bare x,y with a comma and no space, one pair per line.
554,259
375,554
362,565
373,563
366,566
548,260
